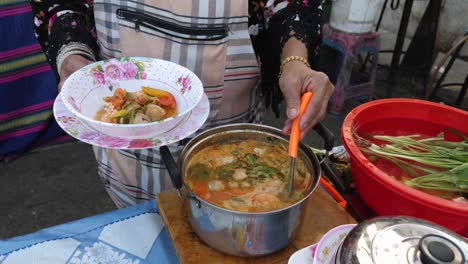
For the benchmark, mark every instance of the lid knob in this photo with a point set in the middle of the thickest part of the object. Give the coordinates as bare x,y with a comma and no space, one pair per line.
439,250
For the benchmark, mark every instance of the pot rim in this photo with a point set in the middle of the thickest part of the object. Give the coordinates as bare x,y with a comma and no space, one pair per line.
307,151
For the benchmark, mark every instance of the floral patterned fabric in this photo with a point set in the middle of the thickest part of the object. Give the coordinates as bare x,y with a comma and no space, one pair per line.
134,235
101,253
59,22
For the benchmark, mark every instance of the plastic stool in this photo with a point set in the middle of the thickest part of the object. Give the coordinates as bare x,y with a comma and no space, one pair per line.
349,46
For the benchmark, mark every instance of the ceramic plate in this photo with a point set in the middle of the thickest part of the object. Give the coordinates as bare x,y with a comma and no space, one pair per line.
324,251
85,133
303,256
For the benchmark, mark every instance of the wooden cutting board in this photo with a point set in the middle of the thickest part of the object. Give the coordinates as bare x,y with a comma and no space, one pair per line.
322,213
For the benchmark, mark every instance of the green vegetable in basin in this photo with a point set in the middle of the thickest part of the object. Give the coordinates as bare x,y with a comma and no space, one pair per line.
454,180
432,164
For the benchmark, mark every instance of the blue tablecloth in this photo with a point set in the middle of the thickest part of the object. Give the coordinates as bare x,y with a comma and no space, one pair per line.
131,235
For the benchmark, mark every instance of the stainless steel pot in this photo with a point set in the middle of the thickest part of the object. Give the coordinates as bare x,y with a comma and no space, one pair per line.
241,233
401,240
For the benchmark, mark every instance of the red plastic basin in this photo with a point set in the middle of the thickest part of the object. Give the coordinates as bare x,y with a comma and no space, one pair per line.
385,195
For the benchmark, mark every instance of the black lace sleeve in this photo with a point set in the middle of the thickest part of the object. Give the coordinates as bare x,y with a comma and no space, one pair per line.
301,19
59,22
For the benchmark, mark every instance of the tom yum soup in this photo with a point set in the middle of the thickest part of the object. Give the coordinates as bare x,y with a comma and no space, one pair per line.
246,176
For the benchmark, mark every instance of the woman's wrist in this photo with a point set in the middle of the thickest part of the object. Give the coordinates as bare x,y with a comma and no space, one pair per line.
294,47
291,59
293,51
70,27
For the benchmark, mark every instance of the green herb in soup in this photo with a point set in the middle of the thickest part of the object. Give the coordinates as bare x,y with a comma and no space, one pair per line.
247,176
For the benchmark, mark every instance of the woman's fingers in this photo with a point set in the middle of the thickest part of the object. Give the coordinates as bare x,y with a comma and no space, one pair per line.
320,85
287,126
296,80
290,84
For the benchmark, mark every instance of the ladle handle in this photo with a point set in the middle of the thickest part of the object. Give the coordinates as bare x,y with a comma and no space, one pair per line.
295,129
171,166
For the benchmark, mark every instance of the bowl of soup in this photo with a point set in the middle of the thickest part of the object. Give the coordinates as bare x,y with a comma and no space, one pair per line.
236,179
132,97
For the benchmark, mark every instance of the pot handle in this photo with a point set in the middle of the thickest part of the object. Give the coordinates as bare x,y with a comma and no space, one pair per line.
327,136
171,166
328,168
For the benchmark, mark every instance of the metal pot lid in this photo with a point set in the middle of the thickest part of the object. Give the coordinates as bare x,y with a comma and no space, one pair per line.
402,240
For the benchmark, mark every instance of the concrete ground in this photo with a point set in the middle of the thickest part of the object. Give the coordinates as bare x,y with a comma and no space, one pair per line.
60,184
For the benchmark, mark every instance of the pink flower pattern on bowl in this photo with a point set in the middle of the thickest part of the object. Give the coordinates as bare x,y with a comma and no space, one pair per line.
67,119
185,82
112,142
114,70
141,143
98,76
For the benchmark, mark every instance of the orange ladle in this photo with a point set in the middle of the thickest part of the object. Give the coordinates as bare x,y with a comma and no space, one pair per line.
295,136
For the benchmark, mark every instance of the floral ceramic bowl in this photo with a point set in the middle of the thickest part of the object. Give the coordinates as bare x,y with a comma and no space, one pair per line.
84,90
324,251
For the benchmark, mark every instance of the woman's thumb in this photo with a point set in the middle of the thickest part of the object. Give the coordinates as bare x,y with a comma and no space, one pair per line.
293,100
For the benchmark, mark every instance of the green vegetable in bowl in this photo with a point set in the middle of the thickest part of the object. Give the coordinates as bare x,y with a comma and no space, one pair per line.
434,163
454,180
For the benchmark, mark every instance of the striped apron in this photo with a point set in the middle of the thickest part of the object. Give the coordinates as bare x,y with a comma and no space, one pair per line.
209,37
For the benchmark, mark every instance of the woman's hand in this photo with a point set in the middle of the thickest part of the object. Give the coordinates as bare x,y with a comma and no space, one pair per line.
71,64
296,79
